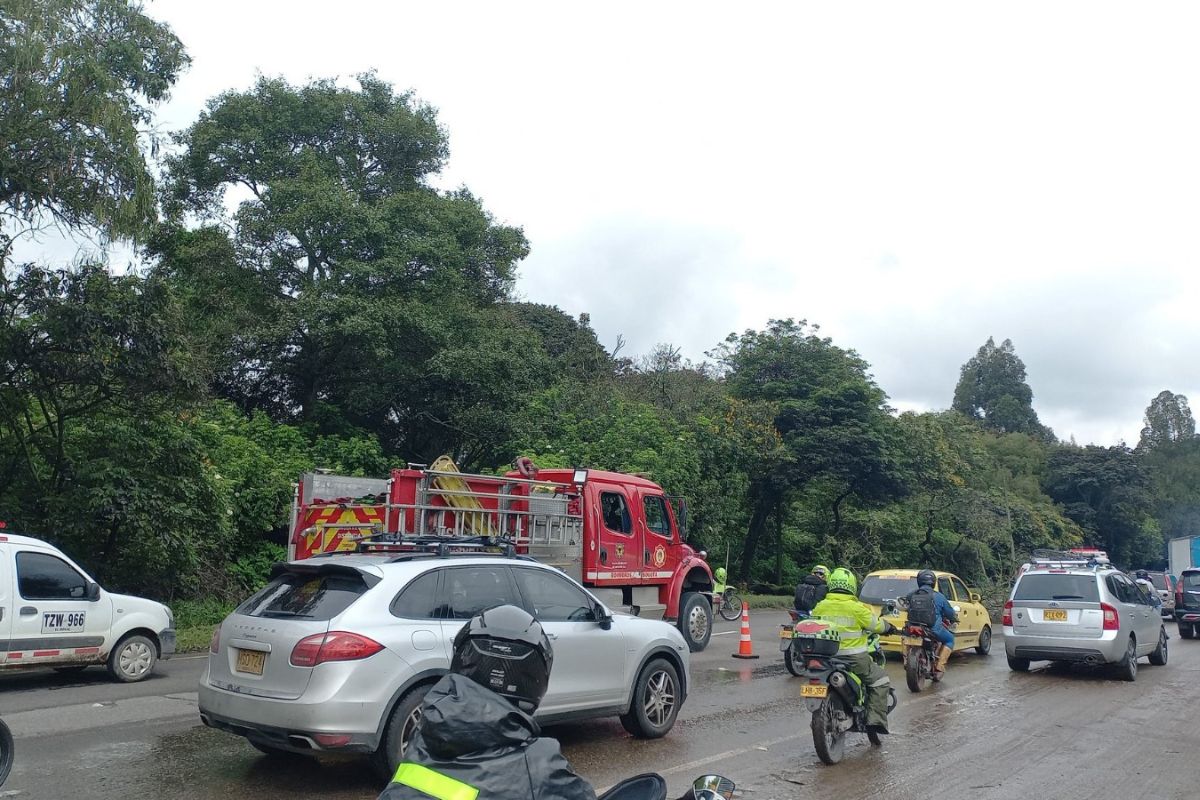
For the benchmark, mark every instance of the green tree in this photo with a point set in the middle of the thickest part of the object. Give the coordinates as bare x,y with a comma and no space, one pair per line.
78,79
378,298
1107,491
829,414
992,389
1168,419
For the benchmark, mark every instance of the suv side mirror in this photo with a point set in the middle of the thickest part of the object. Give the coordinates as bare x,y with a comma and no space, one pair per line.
602,618
93,591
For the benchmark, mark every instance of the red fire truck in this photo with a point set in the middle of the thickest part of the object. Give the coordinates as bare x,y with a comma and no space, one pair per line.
617,534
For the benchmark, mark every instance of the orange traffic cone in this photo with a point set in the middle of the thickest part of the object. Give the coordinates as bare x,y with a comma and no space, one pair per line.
745,645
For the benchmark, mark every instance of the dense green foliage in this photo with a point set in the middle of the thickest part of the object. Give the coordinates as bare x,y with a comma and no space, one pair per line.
312,301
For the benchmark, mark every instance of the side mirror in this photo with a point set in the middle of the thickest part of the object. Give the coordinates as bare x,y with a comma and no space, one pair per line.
602,618
713,786
976,597
635,611
93,591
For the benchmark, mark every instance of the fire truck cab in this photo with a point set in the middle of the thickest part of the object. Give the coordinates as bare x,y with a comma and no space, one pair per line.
617,534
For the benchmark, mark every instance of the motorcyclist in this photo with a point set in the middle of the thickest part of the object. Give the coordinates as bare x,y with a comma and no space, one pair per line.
476,738
930,607
1147,587
855,623
811,589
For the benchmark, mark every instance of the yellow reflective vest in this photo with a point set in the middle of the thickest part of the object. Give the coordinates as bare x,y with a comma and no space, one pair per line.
851,617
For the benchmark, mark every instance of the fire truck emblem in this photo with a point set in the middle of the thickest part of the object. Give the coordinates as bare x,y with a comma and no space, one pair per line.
620,551
660,556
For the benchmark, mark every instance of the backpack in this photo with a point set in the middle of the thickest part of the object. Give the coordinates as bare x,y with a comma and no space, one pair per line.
808,595
922,609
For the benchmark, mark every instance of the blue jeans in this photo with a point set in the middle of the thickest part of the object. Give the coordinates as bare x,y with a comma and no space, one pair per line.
943,635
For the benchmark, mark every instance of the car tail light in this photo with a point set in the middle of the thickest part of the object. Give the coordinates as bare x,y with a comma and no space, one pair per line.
332,646
1179,593
1112,621
1006,620
214,646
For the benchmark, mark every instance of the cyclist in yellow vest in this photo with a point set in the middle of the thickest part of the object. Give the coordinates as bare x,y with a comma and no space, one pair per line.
855,622
476,739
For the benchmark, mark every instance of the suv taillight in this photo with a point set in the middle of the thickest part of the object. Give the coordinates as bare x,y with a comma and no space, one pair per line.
1179,592
1006,620
214,646
332,646
1112,622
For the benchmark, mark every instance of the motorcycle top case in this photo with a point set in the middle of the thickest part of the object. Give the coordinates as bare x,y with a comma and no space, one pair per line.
814,637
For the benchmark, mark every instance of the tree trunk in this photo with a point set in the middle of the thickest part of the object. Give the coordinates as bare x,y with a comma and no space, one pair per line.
758,525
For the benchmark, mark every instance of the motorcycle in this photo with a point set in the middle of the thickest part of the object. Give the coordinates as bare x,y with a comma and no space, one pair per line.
652,786
920,650
795,663
835,695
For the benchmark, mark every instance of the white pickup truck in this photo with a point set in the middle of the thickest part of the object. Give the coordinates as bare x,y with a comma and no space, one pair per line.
52,614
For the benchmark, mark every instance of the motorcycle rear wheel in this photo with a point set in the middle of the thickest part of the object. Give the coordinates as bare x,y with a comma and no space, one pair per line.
829,742
916,669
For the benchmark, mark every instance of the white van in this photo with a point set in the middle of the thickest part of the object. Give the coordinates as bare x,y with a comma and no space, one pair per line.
52,614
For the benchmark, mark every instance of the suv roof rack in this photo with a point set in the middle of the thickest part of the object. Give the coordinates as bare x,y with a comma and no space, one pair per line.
409,547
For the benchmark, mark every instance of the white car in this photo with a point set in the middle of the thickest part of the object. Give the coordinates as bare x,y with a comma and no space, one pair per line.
337,652
55,615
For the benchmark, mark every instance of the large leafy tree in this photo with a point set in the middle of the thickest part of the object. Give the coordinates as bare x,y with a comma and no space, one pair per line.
1107,491
1168,420
830,417
993,390
378,298
78,79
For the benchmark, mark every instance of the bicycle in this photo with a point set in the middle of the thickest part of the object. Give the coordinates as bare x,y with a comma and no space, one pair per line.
730,607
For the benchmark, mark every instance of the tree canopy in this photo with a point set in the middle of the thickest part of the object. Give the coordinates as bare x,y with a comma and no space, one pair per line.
992,389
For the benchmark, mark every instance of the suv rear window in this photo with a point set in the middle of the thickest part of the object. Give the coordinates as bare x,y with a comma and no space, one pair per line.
1191,580
305,596
877,588
1034,586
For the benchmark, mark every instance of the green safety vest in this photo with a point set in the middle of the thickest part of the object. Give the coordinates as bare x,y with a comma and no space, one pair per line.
433,783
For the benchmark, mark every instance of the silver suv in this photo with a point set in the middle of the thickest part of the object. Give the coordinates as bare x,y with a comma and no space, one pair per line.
337,652
1076,612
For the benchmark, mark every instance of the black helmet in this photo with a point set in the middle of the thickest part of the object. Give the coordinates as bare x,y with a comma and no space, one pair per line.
1143,575
506,650
926,578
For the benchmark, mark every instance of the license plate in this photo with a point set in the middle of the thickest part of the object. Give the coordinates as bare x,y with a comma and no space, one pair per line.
786,633
62,621
251,662
814,690
1054,615
912,641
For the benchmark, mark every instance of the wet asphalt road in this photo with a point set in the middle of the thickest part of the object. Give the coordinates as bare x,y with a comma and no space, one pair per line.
984,733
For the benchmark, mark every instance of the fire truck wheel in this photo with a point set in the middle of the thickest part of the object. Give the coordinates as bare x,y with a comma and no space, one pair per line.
655,701
132,659
400,728
695,620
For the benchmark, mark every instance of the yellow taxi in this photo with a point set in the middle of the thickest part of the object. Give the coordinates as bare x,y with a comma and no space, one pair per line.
974,628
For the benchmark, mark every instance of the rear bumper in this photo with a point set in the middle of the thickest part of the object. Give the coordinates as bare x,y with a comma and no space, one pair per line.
1187,615
292,739
1106,649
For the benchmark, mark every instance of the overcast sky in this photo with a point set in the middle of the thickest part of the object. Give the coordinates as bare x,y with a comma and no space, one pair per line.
913,177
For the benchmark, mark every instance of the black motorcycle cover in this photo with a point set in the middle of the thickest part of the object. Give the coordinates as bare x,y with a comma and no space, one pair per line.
475,736
922,609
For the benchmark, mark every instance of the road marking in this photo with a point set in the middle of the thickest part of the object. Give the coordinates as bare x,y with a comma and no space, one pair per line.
726,633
